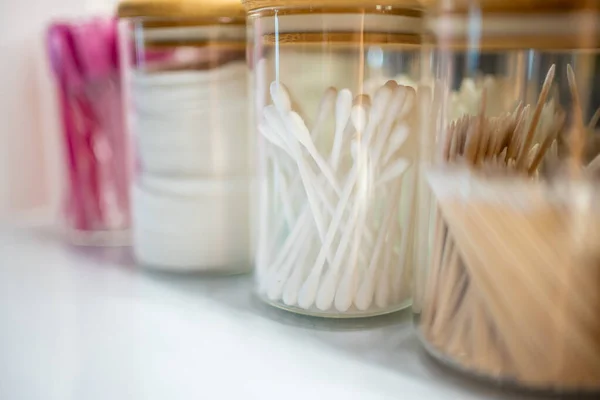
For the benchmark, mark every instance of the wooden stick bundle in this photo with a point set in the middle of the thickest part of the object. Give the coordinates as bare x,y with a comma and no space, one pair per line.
513,291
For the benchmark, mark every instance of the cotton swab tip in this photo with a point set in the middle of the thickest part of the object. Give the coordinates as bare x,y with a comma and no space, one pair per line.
359,117
364,296
308,293
381,100
280,96
409,102
327,291
344,100
345,292
392,84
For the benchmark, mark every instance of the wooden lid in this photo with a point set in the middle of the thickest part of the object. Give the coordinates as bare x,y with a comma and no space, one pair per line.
516,24
511,6
252,5
187,9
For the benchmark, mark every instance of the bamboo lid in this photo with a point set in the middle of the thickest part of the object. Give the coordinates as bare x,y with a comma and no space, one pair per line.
511,6
187,9
252,5
517,24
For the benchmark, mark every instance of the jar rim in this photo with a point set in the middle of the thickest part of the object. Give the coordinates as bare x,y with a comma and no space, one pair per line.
254,5
514,6
184,9
573,30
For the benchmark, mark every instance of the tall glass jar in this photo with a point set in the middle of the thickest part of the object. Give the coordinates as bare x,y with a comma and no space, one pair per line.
85,62
186,88
508,285
335,109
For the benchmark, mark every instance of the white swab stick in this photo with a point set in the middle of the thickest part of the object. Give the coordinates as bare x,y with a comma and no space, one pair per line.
343,108
396,170
327,291
309,289
396,141
268,133
291,240
347,285
394,108
382,293
262,252
279,276
284,194
343,298
295,124
280,97
364,296
325,107
303,136
309,181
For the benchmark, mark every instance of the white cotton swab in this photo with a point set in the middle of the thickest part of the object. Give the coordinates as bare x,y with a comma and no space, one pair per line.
295,124
291,241
361,201
292,287
343,107
364,295
347,287
293,284
326,106
396,170
262,252
395,107
280,97
307,176
309,289
396,141
366,123
382,293
409,102
288,209
273,138
327,290
280,275
381,102
303,136
301,266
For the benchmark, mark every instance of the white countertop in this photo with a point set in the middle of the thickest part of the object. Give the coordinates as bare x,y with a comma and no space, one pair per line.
85,324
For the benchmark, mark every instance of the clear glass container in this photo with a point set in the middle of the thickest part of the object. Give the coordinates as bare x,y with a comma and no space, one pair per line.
508,279
187,109
85,63
335,107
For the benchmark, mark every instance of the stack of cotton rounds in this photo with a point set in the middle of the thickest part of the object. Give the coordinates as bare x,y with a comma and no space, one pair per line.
191,197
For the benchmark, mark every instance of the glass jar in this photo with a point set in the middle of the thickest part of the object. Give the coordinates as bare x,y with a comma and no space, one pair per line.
85,63
186,94
508,284
335,108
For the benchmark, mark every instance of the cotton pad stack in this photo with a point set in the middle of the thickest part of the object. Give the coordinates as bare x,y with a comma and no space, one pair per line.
191,199
185,68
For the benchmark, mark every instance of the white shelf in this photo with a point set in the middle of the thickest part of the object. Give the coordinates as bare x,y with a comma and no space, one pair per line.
85,324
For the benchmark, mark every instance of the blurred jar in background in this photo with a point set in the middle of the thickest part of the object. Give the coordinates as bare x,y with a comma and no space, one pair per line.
85,61
186,86
508,277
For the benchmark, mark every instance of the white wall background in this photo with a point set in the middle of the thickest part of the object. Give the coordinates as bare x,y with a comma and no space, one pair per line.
30,160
